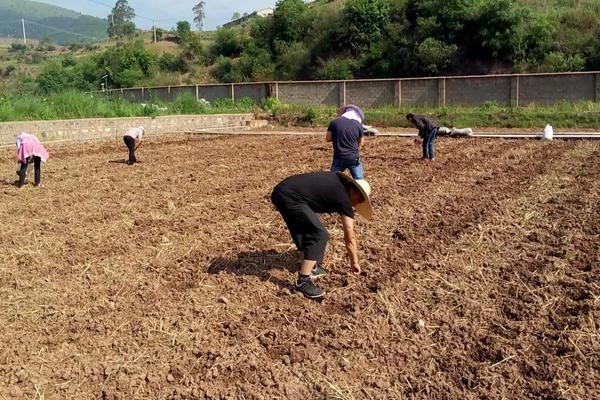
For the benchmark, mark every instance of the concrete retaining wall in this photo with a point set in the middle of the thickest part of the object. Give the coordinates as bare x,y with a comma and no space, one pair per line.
104,128
514,90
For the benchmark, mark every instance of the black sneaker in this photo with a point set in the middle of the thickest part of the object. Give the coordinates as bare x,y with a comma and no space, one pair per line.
318,272
308,289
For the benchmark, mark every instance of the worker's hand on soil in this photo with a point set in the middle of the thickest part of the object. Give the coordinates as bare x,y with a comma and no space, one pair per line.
356,268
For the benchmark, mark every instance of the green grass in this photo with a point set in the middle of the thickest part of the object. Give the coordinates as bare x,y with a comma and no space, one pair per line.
563,115
69,105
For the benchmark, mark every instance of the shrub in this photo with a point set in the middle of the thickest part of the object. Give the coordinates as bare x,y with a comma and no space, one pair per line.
17,47
336,69
435,55
228,43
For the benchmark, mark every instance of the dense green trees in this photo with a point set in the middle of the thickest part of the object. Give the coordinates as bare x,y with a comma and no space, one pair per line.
389,38
359,39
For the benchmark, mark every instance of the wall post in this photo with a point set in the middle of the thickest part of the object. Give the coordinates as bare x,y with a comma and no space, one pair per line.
342,96
398,93
514,91
233,92
597,96
442,92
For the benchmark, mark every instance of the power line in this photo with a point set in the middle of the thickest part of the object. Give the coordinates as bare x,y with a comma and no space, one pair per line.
61,30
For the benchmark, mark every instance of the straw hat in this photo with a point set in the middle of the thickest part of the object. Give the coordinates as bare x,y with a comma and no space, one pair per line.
365,209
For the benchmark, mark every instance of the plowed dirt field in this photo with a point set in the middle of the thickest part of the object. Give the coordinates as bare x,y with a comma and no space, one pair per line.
170,279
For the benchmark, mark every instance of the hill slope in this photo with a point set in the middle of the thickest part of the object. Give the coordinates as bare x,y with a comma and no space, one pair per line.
44,20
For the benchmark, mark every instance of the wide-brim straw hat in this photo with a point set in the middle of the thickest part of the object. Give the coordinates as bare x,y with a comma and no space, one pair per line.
348,107
365,209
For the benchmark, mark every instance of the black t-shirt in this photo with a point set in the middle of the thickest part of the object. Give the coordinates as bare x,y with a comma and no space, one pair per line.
345,134
323,192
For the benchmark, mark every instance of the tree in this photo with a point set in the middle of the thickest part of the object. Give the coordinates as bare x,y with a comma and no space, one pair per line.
199,15
120,22
236,15
183,30
291,22
228,42
366,22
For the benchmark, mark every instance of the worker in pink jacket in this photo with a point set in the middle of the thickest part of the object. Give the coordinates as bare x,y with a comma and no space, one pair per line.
29,149
132,137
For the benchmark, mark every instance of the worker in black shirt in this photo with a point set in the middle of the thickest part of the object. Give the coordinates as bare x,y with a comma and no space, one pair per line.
428,130
346,133
299,198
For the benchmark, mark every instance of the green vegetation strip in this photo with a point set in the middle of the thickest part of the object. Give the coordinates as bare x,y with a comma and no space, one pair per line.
72,105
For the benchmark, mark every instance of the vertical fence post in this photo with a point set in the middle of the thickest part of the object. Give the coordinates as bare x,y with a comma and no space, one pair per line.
277,90
514,91
442,92
597,92
143,96
233,92
342,94
398,93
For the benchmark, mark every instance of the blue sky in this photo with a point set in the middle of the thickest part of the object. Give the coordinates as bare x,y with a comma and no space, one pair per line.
167,12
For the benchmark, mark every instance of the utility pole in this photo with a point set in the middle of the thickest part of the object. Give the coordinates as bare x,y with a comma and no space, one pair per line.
154,28
24,36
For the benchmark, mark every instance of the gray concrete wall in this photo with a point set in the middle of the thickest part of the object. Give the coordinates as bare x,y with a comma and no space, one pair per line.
513,90
177,90
214,92
309,93
257,92
552,89
104,128
371,94
419,92
476,91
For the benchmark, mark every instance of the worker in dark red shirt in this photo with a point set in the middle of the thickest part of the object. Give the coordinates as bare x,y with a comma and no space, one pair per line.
299,198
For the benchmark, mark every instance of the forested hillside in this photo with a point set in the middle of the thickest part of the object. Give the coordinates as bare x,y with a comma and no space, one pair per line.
47,21
349,39
389,38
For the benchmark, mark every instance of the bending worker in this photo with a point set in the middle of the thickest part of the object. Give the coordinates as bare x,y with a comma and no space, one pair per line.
29,149
428,130
346,133
299,198
132,137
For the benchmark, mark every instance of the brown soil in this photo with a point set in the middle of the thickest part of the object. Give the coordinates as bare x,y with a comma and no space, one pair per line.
169,279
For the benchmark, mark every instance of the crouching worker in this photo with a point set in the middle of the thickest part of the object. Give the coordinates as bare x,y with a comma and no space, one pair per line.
29,149
428,130
133,139
299,198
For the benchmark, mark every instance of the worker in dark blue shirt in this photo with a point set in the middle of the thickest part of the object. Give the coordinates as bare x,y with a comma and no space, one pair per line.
346,133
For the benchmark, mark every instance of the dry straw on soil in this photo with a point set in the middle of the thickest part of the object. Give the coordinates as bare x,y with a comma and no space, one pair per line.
169,279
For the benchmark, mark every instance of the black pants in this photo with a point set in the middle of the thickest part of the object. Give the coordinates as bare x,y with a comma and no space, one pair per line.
130,143
307,231
37,164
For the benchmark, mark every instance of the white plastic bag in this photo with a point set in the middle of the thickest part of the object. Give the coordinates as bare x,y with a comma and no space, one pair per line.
548,132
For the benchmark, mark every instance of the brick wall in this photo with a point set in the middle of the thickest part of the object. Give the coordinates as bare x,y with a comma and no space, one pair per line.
105,128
